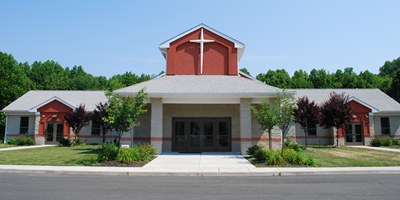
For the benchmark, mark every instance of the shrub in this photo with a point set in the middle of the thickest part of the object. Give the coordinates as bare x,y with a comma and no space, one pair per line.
78,142
310,162
23,140
251,150
127,155
66,142
376,142
395,141
270,156
293,157
289,145
386,141
12,141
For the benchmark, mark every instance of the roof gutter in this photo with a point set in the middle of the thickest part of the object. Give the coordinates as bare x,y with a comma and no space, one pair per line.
185,94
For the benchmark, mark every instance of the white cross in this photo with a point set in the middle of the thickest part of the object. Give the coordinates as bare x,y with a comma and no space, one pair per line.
201,41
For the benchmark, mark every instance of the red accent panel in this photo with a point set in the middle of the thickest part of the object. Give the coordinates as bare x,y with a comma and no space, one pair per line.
362,114
219,58
242,139
55,106
244,76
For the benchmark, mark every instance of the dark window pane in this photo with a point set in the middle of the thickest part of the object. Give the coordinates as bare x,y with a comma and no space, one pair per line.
24,121
385,122
385,131
24,125
208,134
223,128
312,132
194,134
95,128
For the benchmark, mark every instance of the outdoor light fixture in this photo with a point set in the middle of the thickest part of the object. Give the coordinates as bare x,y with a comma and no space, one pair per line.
54,116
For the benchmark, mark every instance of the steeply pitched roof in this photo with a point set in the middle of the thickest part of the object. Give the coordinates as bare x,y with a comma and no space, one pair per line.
216,85
373,97
34,98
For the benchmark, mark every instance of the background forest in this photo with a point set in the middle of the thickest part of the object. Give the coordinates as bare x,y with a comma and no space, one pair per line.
18,78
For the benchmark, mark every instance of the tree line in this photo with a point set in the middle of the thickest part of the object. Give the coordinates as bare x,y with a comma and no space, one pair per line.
387,80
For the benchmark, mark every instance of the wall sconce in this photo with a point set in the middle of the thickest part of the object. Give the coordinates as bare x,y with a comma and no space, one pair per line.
54,116
354,116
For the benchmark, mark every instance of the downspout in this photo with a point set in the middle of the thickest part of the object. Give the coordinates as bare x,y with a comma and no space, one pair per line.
5,133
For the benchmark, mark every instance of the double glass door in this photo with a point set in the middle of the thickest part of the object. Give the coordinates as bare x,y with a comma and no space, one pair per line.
354,134
201,134
54,132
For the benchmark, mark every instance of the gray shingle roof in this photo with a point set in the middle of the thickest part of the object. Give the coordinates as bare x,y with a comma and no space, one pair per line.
36,97
206,84
374,97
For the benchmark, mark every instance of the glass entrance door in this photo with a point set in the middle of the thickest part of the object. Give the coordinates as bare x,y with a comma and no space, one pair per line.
201,134
54,132
354,134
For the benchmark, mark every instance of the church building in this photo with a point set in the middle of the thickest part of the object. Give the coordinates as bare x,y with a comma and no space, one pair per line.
201,103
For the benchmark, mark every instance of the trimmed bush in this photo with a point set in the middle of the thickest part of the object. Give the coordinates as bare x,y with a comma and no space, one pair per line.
253,149
127,155
270,156
12,141
395,141
376,142
66,142
386,141
25,141
78,142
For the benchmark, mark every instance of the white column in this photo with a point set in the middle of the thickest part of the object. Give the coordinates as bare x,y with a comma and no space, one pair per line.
245,125
156,123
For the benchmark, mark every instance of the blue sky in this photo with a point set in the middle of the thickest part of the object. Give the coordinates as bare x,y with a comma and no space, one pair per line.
112,37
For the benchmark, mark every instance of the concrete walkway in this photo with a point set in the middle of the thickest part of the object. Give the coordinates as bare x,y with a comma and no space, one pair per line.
25,147
200,160
377,148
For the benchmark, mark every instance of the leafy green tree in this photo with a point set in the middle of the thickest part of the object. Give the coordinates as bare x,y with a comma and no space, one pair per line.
123,112
300,79
13,82
395,87
244,70
278,78
266,115
320,79
286,102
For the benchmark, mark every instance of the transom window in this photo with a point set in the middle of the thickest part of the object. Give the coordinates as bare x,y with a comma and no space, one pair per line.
95,128
385,126
24,125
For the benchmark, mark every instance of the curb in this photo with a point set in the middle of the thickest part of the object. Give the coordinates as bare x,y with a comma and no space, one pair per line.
199,174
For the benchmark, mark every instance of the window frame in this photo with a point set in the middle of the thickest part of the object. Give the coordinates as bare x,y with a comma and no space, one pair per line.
21,127
95,128
385,128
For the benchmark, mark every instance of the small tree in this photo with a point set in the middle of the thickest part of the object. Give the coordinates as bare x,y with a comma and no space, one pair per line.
123,112
266,116
307,114
98,114
336,112
285,117
77,119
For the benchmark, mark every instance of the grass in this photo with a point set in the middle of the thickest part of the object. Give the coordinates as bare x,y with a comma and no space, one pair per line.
2,145
392,147
56,156
326,156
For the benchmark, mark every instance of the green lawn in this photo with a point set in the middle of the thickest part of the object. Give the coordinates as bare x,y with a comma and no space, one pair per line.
58,156
2,145
392,147
326,156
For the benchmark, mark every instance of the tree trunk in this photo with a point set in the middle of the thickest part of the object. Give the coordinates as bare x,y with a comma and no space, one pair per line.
269,136
306,134
119,143
283,142
132,132
104,137
337,137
